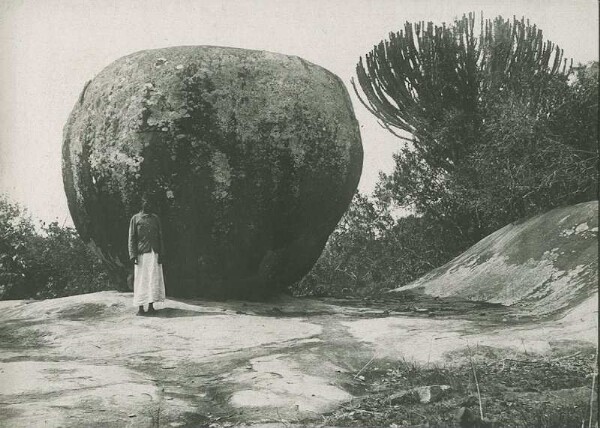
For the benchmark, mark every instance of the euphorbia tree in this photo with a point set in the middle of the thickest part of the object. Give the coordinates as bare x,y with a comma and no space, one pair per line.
439,87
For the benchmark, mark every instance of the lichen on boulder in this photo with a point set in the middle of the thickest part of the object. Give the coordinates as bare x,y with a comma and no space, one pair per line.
252,157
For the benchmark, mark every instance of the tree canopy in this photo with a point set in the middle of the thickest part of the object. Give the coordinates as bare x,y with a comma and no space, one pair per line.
425,71
487,112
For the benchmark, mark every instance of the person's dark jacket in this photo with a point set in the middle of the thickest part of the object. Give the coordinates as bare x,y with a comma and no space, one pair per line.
145,234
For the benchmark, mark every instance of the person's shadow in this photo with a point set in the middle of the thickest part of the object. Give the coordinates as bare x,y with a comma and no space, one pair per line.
176,313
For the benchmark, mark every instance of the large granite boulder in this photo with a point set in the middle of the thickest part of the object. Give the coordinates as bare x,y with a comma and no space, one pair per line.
251,157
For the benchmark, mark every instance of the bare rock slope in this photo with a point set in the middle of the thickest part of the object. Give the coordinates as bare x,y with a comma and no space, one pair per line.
543,266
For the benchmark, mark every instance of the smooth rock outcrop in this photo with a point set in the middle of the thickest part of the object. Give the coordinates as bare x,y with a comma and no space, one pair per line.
544,265
77,359
251,158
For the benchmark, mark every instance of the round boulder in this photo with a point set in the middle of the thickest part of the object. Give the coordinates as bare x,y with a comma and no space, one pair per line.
251,158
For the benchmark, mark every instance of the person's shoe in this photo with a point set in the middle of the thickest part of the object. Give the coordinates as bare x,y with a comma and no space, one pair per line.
151,311
140,313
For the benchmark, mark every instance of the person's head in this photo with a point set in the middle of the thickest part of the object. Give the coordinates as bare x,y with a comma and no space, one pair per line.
145,205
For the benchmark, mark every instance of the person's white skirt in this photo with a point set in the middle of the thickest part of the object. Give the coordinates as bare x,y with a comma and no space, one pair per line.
148,280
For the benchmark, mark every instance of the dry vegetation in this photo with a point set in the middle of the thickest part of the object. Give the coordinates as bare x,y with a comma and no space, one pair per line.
524,390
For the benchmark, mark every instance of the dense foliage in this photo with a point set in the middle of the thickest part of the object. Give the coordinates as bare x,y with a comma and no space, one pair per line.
44,262
372,250
496,128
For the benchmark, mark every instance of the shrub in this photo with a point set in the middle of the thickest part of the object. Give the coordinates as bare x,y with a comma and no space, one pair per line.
370,251
45,262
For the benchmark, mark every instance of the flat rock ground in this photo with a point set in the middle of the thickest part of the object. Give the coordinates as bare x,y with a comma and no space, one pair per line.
89,361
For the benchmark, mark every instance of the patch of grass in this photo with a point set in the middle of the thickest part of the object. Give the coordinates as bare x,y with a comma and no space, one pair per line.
18,335
522,391
83,311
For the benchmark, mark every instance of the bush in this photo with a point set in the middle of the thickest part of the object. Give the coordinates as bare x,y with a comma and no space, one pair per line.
47,262
370,251
16,230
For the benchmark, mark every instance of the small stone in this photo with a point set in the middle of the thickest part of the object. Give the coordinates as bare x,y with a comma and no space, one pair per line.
132,415
179,67
429,394
464,417
469,401
404,397
422,394
160,61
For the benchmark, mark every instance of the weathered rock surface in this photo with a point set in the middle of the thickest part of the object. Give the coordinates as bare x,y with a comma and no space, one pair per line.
87,360
541,266
252,157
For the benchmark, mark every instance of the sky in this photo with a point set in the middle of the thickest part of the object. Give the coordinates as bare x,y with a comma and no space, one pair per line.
50,48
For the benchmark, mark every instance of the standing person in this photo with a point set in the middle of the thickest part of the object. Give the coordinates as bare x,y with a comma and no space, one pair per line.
146,250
